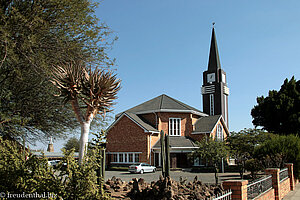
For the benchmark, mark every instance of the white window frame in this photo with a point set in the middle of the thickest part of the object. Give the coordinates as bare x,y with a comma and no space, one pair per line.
211,103
173,123
219,133
119,154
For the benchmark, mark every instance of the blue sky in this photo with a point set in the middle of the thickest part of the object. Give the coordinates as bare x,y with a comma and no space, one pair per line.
163,48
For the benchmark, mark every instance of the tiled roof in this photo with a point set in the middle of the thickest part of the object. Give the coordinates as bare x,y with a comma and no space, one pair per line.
178,142
206,124
138,120
163,103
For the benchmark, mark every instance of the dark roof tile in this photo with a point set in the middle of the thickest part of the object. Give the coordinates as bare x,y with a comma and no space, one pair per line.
178,142
206,124
162,103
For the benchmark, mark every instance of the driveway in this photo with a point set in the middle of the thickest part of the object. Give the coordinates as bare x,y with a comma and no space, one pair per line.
189,176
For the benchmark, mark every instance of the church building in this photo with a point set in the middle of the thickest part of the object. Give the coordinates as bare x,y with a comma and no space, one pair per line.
134,135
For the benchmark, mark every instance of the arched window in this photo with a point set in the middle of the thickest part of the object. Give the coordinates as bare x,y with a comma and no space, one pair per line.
219,135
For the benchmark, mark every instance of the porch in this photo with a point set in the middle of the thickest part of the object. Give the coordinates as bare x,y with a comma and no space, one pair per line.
180,148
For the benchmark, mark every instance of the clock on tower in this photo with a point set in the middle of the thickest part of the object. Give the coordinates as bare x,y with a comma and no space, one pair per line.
214,89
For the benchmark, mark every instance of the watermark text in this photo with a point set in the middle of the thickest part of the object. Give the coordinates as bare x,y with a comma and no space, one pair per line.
44,195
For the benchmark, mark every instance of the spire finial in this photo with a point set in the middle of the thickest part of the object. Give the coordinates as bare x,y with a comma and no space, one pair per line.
214,61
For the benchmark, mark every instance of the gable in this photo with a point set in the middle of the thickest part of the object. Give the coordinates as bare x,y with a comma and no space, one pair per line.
138,121
208,124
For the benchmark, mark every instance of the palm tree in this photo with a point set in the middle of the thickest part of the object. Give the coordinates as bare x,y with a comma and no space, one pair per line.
90,92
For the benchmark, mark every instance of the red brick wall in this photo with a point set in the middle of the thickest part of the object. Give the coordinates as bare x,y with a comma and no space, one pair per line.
186,122
198,137
127,136
267,196
284,187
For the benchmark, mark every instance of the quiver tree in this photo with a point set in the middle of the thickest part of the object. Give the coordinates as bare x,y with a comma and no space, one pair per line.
90,92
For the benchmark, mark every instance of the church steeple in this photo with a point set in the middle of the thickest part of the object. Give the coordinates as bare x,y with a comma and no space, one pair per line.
214,89
214,60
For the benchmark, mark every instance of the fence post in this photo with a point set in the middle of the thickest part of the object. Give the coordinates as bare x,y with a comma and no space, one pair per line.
275,181
238,188
290,167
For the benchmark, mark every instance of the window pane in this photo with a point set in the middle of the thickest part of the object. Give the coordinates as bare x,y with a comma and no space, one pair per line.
174,126
121,157
125,158
136,157
178,125
130,155
115,157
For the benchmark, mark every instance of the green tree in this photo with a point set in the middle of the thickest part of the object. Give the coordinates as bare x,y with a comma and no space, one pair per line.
90,92
72,143
213,151
280,111
242,145
254,166
278,150
34,36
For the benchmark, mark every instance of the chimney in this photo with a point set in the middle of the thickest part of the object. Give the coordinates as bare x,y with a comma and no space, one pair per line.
50,146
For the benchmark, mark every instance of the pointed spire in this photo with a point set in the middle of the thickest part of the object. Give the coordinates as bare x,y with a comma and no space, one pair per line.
50,146
214,60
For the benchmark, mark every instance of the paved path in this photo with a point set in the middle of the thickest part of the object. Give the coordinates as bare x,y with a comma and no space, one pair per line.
293,195
189,176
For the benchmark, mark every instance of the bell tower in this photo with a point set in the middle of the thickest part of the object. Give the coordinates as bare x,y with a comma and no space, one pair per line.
214,89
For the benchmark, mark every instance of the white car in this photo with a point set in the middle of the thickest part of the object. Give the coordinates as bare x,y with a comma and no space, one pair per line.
141,168
53,163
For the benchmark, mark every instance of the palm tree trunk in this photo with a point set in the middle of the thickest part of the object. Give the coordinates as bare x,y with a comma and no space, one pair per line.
85,129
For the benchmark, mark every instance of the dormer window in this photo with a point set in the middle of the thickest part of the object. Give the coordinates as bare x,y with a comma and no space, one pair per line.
174,126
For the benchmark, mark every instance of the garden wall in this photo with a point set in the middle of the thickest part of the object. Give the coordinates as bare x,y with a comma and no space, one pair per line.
277,184
285,187
267,196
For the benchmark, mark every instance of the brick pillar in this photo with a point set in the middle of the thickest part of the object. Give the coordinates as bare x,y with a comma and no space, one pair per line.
290,167
238,188
275,181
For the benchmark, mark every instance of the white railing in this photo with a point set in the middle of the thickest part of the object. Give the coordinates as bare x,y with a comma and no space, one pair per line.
259,187
222,196
283,174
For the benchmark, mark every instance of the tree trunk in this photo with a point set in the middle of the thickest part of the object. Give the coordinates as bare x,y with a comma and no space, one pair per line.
85,129
216,175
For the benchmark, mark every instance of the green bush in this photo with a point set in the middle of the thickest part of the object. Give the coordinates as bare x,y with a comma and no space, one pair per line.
278,150
254,166
29,174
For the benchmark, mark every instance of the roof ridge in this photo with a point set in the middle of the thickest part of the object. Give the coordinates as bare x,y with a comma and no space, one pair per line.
183,104
161,100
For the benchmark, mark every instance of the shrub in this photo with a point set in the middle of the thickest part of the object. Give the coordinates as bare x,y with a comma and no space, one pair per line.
29,174
278,150
254,166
